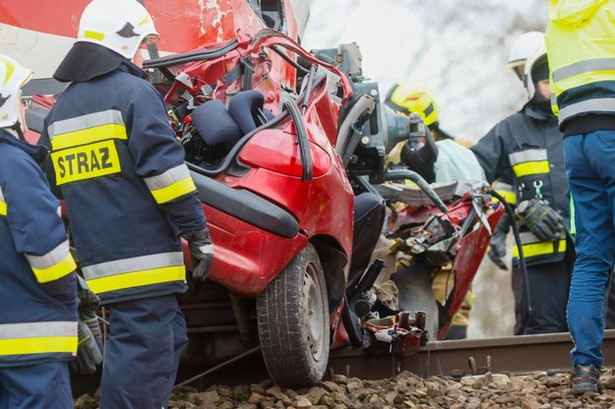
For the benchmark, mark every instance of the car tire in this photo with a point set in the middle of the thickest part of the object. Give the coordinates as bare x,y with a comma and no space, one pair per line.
293,322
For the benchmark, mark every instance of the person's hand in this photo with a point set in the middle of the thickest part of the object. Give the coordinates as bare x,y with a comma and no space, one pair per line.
89,354
497,249
88,306
542,220
497,244
202,253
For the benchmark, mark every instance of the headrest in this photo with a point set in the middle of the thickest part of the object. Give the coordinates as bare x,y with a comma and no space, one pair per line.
247,110
215,124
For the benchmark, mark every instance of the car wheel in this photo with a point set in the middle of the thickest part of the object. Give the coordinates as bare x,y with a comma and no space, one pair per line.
293,322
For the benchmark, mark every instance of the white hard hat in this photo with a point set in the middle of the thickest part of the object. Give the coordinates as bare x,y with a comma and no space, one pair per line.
13,76
119,25
539,55
523,47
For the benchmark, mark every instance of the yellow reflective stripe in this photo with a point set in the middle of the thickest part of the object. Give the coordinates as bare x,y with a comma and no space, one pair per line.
38,345
137,278
51,258
175,190
528,155
509,196
531,168
59,270
129,265
171,184
94,35
584,78
596,104
88,135
3,208
584,66
540,249
88,121
554,106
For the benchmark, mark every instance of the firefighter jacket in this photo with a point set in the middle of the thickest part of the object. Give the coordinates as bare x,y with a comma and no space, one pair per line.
38,294
582,81
128,192
530,144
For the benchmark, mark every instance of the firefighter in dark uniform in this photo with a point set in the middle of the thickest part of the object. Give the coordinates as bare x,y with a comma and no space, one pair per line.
530,144
38,294
520,50
130,198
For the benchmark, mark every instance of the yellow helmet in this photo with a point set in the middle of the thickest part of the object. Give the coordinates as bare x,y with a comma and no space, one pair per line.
409,96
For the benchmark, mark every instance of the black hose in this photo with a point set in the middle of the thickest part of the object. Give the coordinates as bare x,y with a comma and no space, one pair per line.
308,88
301,71
325,58
515,230
197,55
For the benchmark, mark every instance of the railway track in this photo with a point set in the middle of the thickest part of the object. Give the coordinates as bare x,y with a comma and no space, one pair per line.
519,354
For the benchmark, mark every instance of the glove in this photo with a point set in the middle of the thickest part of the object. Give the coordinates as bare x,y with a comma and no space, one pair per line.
88,305
89,355
497,249
541,219
202,253
497,244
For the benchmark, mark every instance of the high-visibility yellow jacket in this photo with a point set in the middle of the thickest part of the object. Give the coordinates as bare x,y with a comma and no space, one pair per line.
580,40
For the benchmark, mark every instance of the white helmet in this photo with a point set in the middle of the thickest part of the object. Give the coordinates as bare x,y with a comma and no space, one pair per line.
523,47
12,77
119,25
539,55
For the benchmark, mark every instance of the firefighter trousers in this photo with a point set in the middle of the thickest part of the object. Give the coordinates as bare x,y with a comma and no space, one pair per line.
548,294
146,339
43,385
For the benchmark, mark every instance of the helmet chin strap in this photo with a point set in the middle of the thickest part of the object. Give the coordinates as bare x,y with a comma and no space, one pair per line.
17,128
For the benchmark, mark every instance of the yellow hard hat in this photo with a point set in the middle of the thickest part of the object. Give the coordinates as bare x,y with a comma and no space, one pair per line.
409,96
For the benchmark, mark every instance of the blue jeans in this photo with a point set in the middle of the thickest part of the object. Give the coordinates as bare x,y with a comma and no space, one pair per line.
590,167
146,339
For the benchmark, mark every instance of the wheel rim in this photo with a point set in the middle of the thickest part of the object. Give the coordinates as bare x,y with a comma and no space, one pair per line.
314,305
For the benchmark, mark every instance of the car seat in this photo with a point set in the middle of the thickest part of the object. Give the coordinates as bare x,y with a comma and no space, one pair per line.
221,129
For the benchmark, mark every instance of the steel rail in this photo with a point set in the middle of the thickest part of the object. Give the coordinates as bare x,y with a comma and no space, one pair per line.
515,354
